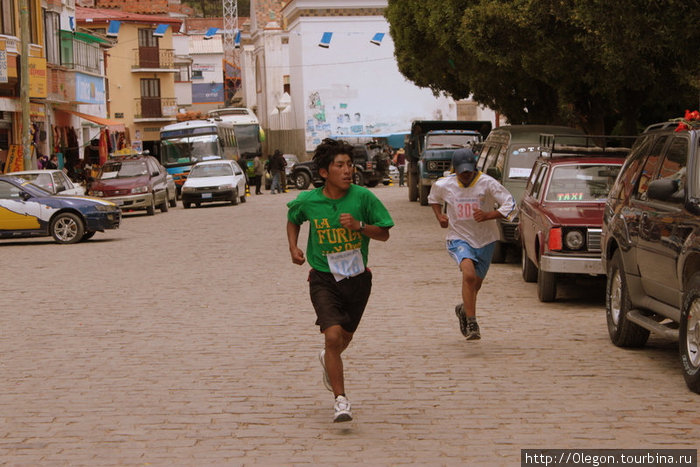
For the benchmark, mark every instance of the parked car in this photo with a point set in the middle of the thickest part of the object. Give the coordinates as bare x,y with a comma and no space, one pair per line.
508,154
27,210
651,245
54,181
133,182
210,181
561,213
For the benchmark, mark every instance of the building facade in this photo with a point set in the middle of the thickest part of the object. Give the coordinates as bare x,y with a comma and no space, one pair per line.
140,69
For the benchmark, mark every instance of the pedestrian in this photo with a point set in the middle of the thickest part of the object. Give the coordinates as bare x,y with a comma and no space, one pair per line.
401,164
343,217
52,163
277,164
470,196
258,172
91,154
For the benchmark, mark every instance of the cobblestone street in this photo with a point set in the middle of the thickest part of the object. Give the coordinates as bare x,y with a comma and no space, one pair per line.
188,338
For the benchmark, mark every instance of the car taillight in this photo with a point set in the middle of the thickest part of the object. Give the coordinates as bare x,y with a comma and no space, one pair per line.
555,239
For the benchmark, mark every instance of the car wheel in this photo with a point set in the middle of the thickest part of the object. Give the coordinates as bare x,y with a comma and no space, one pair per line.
234,197
151,210
546,286
302,181
164,206
423,192
499,253
186,205
623,332
67,228
173,200
199,205
88,235
385,182
689,334
358,178
373,183
243,198
528,267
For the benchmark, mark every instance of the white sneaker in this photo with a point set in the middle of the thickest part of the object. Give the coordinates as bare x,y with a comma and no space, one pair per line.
343,412
326,379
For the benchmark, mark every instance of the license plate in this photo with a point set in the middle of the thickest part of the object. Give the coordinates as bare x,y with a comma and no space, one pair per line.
206,195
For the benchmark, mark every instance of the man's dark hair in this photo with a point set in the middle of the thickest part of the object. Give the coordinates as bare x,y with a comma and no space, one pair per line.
325,153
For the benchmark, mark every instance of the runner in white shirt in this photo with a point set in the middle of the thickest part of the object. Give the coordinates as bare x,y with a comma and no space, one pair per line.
471,198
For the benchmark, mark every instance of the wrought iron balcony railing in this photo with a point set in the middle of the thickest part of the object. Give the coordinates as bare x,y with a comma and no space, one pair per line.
155,107
153,58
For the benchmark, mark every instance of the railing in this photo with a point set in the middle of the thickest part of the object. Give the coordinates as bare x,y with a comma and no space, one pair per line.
153,57
155,107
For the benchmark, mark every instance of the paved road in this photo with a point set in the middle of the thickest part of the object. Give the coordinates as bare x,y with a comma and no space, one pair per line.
188,339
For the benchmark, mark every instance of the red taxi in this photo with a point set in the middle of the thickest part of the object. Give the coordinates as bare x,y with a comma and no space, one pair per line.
561,213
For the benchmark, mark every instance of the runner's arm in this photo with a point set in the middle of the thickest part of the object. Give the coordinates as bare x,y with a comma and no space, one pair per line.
374,232
292,239
442,218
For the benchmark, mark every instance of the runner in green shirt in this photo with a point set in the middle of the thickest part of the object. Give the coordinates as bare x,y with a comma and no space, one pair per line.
342,219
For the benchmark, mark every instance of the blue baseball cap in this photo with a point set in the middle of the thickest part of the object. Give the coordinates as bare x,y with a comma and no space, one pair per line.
463,160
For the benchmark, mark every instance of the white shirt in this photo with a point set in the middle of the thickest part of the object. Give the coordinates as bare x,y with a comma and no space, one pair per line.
483,192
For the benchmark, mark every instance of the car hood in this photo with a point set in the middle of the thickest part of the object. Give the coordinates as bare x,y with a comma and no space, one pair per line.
210,181
119,183
575,214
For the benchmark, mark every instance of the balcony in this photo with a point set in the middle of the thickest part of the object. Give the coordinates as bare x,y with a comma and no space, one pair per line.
153,60
155,109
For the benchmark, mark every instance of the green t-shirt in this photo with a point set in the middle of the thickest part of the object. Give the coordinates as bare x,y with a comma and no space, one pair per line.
326,234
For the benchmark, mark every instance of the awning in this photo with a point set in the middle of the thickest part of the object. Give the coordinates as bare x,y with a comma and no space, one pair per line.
112,125
160,30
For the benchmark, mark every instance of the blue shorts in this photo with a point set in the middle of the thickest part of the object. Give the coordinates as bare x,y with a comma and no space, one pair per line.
481,257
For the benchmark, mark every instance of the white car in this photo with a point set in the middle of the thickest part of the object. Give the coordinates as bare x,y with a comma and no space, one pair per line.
210,181
54,181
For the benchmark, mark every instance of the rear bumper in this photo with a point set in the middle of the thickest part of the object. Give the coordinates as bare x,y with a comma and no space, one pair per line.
575,265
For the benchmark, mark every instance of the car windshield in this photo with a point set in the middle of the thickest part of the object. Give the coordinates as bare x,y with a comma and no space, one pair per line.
590,182
450,141
521,160
123,169
210,170
41,180
190,149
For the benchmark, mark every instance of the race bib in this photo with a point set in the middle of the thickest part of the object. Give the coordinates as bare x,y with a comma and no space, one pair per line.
465,207
346,264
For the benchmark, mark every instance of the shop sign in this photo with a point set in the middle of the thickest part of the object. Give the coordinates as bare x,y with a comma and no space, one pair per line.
14,162
37,111
37,77
3,62
208,93
89,89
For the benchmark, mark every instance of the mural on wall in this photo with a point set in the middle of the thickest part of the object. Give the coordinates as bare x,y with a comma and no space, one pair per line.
339,112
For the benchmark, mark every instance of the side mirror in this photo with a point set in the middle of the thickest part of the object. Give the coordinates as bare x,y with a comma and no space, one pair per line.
494,172
155,174
24,195
662,189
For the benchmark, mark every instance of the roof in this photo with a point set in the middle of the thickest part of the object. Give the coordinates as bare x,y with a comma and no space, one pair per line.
100,16
520,129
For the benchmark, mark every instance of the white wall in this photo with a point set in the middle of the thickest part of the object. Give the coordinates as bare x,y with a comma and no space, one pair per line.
351,77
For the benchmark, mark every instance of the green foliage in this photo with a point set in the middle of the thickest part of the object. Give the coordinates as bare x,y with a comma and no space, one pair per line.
590,63
215,8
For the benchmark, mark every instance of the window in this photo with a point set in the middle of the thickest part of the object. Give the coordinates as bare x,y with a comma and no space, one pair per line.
674,166
183,73
7,17
537,186
650,167
33,23
285,84
147,39
197,74
51,37
8,191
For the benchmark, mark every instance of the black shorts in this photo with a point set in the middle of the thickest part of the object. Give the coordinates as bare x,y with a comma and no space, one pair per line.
339,302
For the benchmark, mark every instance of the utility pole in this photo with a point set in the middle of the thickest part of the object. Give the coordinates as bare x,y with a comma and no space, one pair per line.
24,83
232,67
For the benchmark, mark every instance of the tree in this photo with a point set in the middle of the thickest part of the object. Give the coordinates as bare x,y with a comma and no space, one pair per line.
590,63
